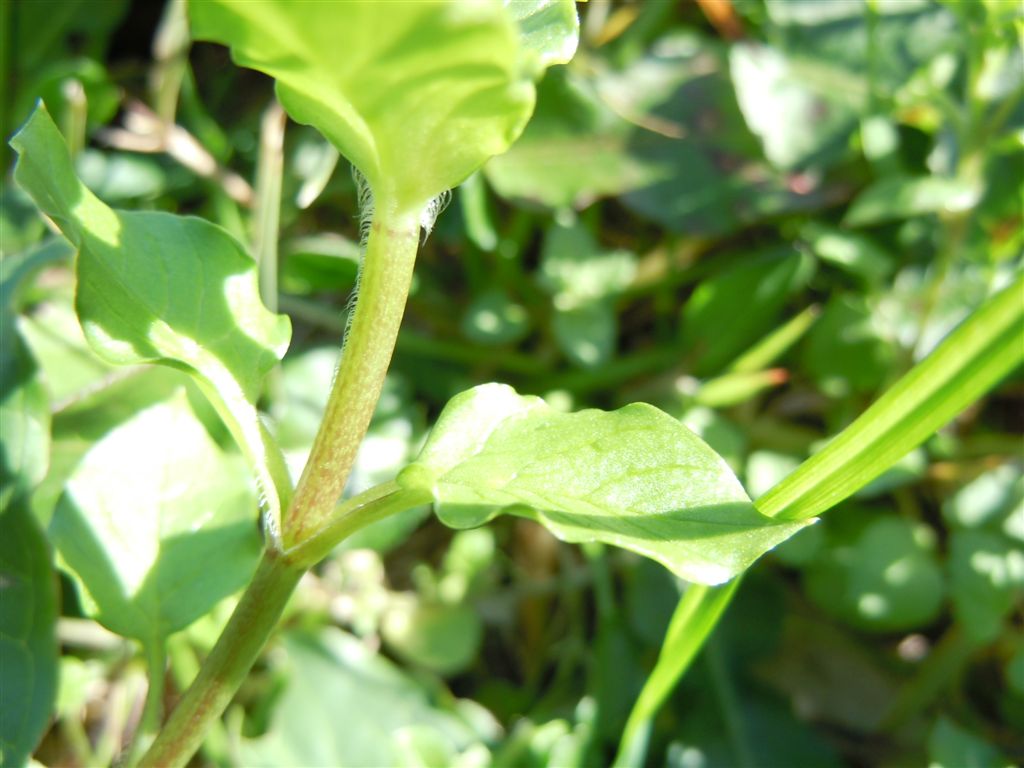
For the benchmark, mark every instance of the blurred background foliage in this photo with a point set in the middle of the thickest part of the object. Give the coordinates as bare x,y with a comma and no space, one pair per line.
754,214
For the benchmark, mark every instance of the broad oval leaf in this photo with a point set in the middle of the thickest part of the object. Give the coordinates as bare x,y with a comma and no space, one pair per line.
156,524
635,478
153,287
28,642
416,95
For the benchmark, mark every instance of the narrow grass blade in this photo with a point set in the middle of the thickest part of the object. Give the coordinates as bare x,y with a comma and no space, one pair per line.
981,351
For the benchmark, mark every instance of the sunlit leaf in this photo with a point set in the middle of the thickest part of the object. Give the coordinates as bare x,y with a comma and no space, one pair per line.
635,478
972,359
153,287
416,95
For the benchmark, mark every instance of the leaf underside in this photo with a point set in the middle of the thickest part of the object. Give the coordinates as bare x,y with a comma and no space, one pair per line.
635,478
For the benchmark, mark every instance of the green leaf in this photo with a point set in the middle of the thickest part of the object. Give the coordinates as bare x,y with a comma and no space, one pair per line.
575,149
153,287
333,679
799,126
972,359
24,416
586,334
24,400
892,198
156,524
442,638
28,643
494,318
635,478
416,95
950,746
575,271
760,285
987,580
852,252
887,581
846,351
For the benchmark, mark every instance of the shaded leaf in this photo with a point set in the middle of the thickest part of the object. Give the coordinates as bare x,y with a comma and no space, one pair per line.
986,581
334,679
28,642
635,478
714,331
156,523
887,580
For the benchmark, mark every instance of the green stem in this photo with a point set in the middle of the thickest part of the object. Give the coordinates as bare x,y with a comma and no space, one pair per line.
728,703
156,671
369,506
694,619
311,525
383,288
184,666
266,223
228,663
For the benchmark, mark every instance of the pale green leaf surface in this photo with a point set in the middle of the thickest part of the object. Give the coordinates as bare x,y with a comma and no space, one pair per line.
28,643
153,287
972,359
634,478
416,95
156,524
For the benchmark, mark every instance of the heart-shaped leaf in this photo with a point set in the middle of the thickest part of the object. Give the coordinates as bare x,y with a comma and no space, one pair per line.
635,478
156,524
153,287
416,95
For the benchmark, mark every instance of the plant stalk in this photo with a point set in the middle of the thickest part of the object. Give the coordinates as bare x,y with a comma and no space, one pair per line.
311,518
228,663
384,281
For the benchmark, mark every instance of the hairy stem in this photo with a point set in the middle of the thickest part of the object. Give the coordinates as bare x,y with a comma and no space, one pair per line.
312,526
383,288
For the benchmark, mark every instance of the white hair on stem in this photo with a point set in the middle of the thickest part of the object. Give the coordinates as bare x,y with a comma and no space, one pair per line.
434,209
